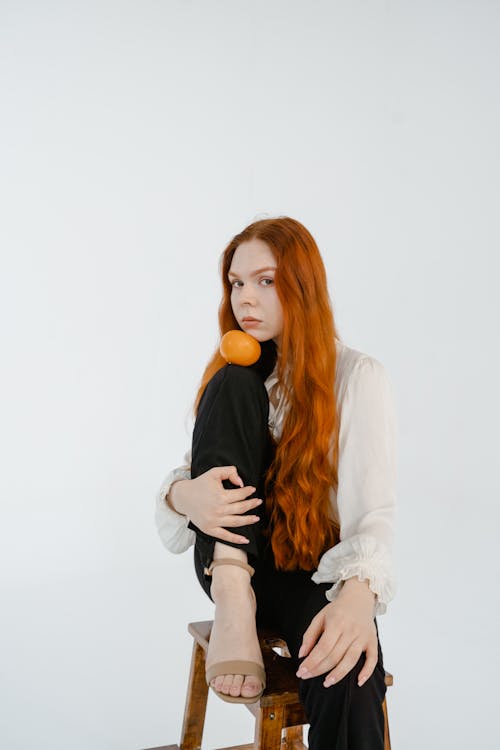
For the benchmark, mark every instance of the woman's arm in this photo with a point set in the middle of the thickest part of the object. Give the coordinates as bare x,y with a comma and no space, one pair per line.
204,501
360,564
173,526
366,493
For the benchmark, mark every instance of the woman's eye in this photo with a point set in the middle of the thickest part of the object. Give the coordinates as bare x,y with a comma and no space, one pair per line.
233,283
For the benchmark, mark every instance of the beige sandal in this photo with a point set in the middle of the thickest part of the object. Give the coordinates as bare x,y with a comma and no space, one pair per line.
235,666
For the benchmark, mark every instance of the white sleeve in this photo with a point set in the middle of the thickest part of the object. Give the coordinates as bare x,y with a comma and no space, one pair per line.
366,493
172,526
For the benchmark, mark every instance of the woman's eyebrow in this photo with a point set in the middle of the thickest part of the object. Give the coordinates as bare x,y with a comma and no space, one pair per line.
255,273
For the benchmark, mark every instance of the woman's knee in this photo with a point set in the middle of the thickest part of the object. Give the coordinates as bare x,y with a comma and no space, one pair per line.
232,425
238,379
235,393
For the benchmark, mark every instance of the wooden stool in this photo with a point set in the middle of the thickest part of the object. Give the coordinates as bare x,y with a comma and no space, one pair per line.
279,714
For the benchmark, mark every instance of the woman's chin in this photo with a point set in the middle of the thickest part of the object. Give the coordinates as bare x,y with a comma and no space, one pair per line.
259,335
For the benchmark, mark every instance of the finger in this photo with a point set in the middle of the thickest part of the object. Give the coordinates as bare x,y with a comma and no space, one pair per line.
369,665
228,536
228,472
310,637
322,657
238,520
349,660
326,656
243,505
233,496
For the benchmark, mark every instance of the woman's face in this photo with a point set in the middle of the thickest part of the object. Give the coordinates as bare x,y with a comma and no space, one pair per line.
253,292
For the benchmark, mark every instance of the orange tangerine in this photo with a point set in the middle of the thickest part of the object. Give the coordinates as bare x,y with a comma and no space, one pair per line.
239,348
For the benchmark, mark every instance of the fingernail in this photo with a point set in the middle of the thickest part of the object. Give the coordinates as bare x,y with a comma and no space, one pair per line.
329,682
301,652
303,673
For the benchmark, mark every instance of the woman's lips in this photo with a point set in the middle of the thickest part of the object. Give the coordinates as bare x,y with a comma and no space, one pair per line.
251,321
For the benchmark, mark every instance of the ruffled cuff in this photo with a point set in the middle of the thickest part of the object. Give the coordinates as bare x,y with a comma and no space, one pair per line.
363,556
172,526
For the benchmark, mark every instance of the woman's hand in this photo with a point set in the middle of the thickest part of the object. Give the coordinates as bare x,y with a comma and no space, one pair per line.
210,506
345,628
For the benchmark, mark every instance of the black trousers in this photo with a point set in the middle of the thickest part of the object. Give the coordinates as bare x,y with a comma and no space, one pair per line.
231,428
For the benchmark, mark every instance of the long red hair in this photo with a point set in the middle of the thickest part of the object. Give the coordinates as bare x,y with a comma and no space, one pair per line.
304,467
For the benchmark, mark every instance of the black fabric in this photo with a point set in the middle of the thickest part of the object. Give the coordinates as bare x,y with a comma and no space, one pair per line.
231,428
265,364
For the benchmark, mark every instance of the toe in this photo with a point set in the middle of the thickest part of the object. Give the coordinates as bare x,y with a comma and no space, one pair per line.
236,684
226,685
219,680
251,686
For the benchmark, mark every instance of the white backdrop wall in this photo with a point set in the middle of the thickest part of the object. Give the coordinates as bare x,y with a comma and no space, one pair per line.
137,138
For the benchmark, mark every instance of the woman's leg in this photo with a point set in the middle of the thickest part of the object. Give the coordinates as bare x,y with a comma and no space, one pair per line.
343,716
231,428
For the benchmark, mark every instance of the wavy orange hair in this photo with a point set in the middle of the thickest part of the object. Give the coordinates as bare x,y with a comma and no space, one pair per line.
304,467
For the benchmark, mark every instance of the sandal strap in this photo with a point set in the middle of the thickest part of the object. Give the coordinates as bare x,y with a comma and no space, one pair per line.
236,666
229,561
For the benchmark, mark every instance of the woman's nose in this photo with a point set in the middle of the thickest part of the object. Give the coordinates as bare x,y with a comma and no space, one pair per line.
248,295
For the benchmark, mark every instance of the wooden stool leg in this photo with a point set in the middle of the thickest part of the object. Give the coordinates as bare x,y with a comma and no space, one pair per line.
387,739
293,739
196,702
268,727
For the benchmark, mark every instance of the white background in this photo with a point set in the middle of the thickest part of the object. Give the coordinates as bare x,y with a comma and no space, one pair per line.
136,139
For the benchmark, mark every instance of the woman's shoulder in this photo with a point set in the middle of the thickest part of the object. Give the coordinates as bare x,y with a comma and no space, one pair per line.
348,357
352,363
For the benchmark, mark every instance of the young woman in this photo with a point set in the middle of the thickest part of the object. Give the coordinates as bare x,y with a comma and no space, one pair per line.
288,492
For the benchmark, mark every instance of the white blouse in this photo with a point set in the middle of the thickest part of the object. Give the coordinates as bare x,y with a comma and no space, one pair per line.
365,501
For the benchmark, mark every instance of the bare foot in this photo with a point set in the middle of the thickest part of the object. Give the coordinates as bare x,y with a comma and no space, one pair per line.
234,632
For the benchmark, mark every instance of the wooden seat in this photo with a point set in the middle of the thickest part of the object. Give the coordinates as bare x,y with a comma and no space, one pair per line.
279,714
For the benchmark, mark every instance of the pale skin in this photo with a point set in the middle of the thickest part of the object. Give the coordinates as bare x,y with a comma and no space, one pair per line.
344,628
